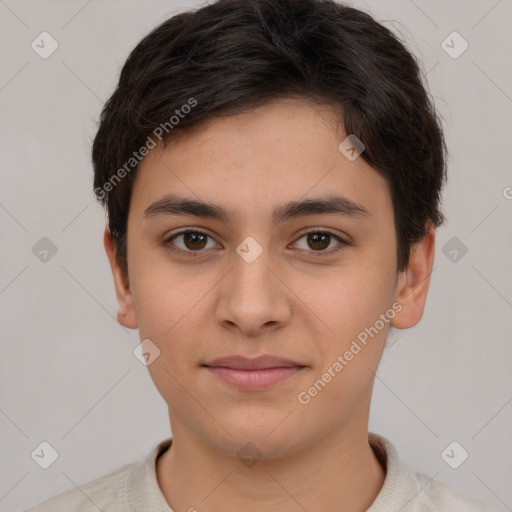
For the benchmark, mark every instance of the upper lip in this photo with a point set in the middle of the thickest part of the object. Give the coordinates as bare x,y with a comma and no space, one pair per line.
257,363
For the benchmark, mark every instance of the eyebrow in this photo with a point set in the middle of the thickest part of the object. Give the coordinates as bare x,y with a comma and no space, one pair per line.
174,205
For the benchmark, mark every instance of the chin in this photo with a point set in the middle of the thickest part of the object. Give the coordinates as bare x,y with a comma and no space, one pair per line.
260,442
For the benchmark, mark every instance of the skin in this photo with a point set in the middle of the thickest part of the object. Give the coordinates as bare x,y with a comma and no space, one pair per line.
308,309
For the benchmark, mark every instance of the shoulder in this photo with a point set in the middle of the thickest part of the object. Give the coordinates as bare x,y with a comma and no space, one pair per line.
408,490
434,495
130,488
107,493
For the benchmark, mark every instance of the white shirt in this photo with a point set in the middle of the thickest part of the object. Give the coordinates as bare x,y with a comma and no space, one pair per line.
134,488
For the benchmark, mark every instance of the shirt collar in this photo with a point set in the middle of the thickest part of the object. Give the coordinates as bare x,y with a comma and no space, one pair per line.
143,490
398,490
400,485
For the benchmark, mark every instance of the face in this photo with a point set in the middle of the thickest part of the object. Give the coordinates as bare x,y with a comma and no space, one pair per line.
293,257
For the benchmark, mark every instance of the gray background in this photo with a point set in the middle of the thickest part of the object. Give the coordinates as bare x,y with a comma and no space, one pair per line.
67,372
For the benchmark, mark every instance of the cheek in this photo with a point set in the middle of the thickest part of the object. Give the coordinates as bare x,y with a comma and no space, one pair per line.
164,296
168,310
350,300
357,301
343,381
171,306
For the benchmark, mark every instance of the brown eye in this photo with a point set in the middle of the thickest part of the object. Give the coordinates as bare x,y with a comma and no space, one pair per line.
194,241
318,241
190,243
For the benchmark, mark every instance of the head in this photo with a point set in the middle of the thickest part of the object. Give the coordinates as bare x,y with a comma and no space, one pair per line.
240,220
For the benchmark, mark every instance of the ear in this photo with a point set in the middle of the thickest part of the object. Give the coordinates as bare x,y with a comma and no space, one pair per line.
126,313
413,282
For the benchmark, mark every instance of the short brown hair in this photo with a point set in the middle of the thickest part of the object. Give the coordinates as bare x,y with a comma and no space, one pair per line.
235,55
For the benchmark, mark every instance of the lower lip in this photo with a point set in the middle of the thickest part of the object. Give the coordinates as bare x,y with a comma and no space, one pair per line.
254,379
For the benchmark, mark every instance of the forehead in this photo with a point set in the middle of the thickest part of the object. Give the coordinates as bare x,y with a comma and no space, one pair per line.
251,162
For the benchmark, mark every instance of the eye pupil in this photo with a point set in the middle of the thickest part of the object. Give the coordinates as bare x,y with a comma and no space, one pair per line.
316,239
194,241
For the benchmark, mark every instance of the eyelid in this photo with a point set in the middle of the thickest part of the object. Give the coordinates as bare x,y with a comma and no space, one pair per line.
168,239
342,241
329,231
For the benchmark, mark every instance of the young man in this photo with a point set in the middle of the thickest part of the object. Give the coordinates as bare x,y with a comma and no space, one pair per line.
271,173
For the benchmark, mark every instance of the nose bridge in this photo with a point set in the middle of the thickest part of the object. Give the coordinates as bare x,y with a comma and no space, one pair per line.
252,296
252,279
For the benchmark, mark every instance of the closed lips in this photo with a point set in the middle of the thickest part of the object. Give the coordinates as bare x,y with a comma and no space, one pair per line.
258,363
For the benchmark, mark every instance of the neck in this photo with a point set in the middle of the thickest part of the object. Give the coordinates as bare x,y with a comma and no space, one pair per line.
339,468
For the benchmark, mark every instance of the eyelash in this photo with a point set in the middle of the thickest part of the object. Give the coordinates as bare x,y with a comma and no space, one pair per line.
195,254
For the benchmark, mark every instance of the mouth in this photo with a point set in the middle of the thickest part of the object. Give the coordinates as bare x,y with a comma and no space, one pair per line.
253,374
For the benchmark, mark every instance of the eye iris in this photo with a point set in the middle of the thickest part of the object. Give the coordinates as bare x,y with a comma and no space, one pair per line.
192,240
316,239
196,241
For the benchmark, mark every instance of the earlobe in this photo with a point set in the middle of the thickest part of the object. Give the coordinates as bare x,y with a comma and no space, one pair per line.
413,283
126,312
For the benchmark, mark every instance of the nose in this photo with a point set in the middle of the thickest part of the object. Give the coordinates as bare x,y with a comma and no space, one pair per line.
253,298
